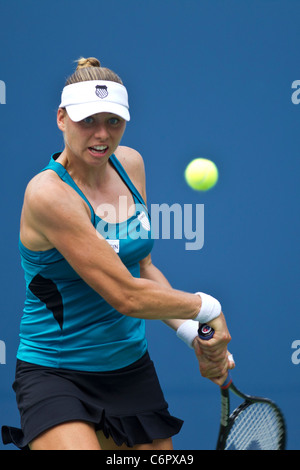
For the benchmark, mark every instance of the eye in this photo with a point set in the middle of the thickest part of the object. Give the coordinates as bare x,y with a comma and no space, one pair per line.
114,121
88,120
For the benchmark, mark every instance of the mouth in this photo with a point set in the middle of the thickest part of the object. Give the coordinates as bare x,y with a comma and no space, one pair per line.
98,150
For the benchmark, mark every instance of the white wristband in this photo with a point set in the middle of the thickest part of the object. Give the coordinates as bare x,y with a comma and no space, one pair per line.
188,332
210,308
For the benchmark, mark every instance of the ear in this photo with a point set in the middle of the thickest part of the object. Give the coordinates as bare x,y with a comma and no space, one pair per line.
61,117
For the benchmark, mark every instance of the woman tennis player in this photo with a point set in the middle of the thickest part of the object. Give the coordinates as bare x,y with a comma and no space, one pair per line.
84,379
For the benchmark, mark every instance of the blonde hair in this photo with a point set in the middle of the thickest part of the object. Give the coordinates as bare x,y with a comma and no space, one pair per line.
90,69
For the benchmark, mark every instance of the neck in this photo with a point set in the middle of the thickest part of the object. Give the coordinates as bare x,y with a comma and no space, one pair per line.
87,175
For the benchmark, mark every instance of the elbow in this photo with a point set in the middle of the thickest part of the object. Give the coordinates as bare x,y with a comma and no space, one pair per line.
126,304
128,299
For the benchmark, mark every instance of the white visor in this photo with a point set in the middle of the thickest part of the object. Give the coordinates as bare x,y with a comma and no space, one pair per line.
83,99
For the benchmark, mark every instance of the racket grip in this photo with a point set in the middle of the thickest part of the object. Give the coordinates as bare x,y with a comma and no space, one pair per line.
227,382
206,332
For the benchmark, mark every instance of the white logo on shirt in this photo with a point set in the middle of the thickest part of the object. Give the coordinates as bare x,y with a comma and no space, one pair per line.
144,221
115,244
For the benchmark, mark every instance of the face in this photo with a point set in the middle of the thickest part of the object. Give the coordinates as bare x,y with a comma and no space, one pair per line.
93,139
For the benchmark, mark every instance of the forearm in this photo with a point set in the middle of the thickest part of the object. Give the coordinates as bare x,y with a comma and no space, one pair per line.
151,272
152,300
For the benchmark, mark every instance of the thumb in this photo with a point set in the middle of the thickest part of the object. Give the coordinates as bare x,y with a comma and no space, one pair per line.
197,347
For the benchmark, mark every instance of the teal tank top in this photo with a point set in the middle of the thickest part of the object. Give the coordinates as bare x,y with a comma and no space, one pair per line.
65,323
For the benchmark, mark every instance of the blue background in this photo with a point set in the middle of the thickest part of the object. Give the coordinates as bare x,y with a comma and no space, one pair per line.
206,78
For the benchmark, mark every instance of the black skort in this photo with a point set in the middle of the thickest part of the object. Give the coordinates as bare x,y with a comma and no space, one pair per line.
126,404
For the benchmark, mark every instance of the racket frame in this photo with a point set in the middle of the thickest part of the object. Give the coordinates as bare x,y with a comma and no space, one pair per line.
227,419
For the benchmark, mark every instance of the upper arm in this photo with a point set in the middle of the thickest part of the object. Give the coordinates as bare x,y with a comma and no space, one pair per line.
64,220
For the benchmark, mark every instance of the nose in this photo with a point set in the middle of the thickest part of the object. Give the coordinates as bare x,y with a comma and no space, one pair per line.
101,132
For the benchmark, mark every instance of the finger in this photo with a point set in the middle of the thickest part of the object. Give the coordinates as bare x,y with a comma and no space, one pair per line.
197,346
215,356
219,380
231,362
213,348
212,370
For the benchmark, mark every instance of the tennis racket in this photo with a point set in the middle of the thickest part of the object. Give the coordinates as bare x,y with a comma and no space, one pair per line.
256,424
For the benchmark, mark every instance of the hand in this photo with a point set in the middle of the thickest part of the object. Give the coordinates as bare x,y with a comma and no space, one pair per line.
213,356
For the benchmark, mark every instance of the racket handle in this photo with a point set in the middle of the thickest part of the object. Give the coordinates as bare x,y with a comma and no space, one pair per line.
206,332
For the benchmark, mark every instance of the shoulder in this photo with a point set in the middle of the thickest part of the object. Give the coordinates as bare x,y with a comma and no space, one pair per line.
133,163
43,207
46,195
43,187
130,158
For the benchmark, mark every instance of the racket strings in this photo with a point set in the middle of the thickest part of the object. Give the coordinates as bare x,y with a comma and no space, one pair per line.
257,427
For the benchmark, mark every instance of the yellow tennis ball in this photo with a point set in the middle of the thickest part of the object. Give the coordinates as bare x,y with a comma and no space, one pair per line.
201,174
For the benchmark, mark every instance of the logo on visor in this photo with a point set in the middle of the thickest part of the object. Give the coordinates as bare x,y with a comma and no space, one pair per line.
101,91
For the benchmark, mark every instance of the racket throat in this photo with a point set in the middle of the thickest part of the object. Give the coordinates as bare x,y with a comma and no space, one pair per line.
225,408
224,424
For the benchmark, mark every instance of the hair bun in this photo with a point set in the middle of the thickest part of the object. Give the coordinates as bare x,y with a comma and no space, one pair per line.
90,69
89,62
